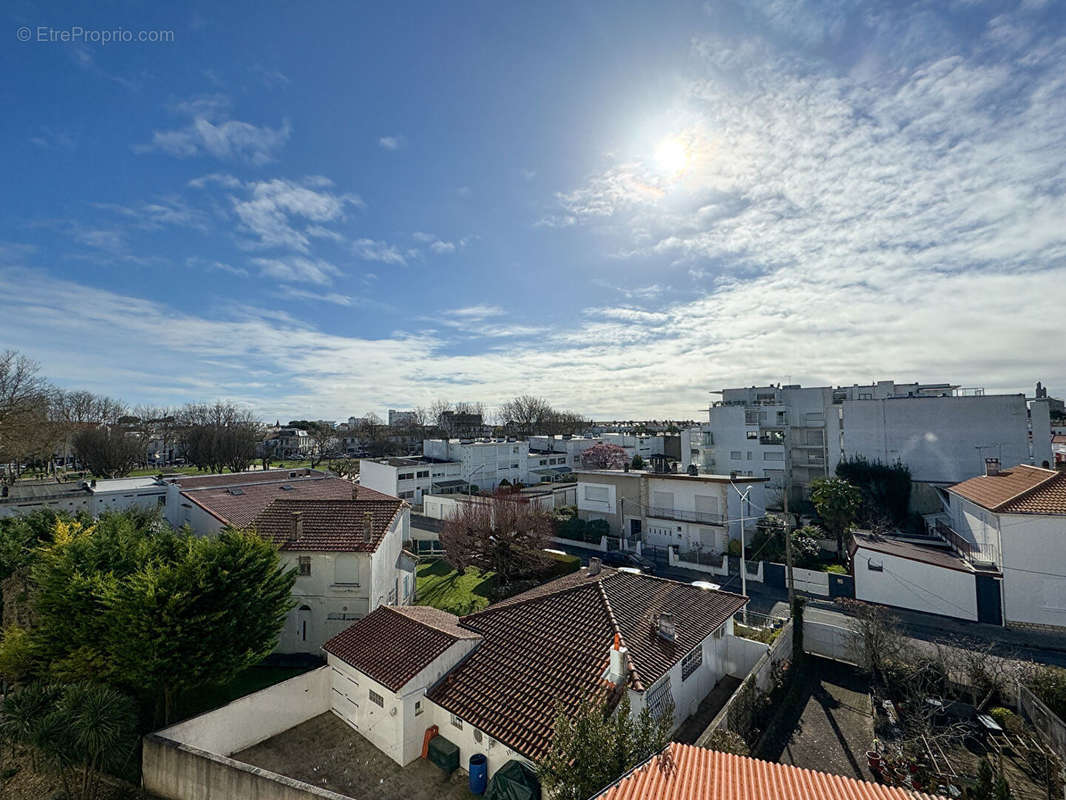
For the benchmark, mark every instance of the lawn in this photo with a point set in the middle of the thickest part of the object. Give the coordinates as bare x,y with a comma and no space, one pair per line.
251,680
440,586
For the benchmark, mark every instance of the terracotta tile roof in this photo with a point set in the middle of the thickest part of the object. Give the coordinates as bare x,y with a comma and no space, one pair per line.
391,645
243,478
239,505
327,525
1018,490
1058,438
548,648
684,772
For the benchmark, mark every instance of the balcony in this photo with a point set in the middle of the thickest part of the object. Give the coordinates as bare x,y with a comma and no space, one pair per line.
685,516
977,554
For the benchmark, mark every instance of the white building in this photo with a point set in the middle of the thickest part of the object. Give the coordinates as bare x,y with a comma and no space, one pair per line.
348,563
90,497
1014,520
636,444
552,453
687,512
484,463
941,432
412,478
494,681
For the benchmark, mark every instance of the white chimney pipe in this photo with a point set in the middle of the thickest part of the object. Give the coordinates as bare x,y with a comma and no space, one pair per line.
616,669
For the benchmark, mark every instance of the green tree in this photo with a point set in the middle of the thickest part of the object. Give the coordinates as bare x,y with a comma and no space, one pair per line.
153,610
593,746
637,462
837,503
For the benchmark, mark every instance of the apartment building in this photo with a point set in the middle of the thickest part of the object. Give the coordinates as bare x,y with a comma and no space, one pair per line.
411,478
484,463
941,431
688,512
557,454
637,444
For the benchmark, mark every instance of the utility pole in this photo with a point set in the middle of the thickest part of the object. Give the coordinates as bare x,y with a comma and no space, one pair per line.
743,544
788,520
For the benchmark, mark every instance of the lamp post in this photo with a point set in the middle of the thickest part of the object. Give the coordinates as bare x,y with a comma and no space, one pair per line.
743,544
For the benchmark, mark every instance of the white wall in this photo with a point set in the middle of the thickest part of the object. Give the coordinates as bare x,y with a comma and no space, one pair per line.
377,476
941,439
915,585
1034,569
256,717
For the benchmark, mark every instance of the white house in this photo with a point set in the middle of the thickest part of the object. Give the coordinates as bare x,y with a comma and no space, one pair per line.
636,444
1015,520
411,478
346,541
90,497
688,512
493,682
559,452
484,463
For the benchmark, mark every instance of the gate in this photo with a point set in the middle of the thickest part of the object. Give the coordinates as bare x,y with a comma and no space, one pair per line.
613,542
989,605
841,585
773,574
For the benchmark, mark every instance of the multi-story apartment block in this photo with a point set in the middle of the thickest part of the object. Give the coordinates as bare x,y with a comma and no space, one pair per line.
484,463
636,444
941,432
556,454
412,478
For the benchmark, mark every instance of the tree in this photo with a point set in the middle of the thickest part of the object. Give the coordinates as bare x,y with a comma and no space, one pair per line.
604,456
218,436
837,502
769,543
637,462
108,451
323,441
878,639
75,730
23,399
524,415
500,533
885,489
593,746
132,603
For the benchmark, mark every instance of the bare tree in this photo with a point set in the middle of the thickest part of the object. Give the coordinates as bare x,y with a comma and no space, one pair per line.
109,451
524,415
323,441
500,533
878,640
219,436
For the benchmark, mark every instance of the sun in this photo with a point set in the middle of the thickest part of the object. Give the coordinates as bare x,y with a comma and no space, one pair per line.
672,155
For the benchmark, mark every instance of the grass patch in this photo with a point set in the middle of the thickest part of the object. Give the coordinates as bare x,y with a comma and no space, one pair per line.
440,586
251,680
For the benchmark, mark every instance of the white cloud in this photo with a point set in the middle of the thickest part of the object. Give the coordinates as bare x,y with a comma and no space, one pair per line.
271,208
371,250
475,313
297,269
211,132
390,142
440,248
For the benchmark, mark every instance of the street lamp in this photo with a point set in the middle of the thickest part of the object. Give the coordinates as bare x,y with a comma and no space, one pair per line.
743,545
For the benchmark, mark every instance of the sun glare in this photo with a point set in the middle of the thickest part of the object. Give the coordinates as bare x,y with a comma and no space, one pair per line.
672,155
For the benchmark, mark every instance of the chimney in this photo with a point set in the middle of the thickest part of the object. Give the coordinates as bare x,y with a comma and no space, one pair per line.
368,526
667,627
991,467
594,566
355,491
297,526
616,668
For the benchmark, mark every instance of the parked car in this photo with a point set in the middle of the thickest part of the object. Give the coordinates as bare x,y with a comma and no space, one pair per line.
618,558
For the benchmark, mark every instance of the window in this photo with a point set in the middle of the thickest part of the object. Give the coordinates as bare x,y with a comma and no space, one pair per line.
305,565
423,474
418,707
875,565
346,569
749,455
691,662
597,494
405,476
406,495
736,455
659,697
456,722
377,699
752,434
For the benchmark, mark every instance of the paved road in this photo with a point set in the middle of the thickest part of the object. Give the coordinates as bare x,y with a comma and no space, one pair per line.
1041,646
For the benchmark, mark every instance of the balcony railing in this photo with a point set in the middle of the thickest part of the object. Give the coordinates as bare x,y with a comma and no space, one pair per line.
975,553
685,516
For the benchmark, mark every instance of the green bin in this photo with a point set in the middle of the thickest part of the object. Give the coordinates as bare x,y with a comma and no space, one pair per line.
444,754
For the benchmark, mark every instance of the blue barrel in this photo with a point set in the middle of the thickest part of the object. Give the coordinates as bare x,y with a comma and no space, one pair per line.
479,773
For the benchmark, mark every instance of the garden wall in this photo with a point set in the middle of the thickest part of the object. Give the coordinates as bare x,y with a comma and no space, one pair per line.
829,641
189,761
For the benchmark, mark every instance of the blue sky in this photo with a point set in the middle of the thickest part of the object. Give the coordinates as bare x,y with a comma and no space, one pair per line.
321,209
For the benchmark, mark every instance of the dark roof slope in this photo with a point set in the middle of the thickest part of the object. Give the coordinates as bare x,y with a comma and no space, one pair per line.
243,478
1019,490
392,645
549,646
240,505
327,525
926,554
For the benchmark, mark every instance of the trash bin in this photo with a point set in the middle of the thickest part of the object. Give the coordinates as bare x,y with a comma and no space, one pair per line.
479,773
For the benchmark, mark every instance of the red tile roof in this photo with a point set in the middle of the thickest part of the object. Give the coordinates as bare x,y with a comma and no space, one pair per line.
239,505
1018,490
393,644
327,525
548,648
684,772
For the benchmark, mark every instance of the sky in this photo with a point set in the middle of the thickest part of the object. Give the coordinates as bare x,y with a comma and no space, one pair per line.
321,209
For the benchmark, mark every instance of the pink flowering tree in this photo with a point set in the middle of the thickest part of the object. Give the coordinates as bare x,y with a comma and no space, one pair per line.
604,456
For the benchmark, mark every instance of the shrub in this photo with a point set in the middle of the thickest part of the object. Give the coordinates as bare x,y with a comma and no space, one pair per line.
1008,720
1049,684
734,547
837,569
725,741
596,528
